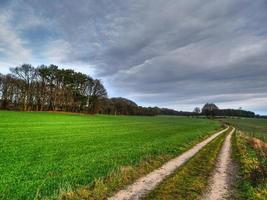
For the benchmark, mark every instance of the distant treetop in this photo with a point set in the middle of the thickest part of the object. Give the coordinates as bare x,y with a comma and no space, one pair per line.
210,107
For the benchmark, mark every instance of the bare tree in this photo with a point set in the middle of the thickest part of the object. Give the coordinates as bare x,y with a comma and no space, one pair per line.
196,110
97,91
27,74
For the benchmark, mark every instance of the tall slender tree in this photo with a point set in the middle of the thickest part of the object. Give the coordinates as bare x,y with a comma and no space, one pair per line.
27,74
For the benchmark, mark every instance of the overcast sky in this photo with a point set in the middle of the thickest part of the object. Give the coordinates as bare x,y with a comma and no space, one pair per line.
170,53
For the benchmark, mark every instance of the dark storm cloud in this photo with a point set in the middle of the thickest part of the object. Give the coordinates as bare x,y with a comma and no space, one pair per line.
170,53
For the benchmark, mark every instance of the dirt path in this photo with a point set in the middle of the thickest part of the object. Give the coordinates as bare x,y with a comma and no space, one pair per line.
222,178
147,183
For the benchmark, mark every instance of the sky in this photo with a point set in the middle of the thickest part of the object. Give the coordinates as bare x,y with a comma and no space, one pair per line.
167,53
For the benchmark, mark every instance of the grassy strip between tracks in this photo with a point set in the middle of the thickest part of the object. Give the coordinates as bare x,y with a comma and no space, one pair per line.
190,181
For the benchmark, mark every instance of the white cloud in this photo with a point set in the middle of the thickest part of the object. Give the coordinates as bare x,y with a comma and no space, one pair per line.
57,51
12,45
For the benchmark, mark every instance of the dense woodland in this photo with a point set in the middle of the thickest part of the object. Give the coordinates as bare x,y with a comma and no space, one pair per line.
48,88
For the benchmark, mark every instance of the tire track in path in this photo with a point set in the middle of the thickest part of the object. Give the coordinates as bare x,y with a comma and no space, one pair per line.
222,178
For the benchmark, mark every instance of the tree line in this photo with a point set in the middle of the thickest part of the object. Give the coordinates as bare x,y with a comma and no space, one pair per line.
48,88
123,106
211,110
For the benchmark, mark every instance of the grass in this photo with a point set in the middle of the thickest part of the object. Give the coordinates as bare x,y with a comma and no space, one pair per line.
47,154
252,179
252,126
190,181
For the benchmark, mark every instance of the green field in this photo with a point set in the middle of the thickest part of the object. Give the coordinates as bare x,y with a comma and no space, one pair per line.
42,154
252,126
